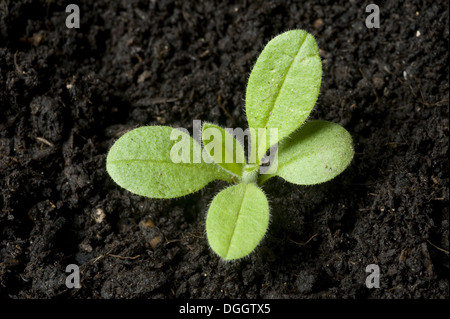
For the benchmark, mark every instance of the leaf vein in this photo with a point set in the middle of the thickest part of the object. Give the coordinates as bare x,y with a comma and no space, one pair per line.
277,94
236,221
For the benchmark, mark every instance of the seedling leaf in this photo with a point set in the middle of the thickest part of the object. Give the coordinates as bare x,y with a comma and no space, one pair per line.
237,220
316,153
140,162
284,84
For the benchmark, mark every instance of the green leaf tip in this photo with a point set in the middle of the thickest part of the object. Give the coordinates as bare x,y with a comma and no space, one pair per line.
140,161
284,84
237,220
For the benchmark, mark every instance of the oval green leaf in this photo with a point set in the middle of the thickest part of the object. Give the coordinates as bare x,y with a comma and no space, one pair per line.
316,153
284,84
140,161
223,148
237,220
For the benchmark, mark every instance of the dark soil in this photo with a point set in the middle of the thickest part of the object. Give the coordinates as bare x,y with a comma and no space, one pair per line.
67,94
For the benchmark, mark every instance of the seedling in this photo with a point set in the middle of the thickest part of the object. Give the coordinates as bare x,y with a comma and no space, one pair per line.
163,162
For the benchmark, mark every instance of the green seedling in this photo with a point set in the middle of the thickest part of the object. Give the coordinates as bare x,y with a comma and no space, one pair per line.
163,162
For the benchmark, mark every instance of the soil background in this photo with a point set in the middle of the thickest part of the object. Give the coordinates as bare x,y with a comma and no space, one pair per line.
67,94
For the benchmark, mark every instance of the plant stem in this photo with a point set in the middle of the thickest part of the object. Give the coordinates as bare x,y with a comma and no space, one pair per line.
250,174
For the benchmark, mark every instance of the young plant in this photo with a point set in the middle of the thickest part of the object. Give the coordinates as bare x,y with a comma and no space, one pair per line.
163,162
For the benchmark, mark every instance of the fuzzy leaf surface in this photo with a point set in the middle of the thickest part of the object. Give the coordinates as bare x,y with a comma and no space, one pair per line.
237,220
316,153
284,84
140,162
